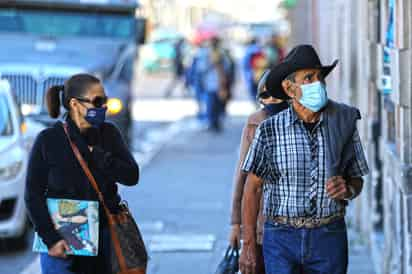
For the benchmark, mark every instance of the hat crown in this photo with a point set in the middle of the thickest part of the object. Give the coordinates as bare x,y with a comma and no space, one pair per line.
305,56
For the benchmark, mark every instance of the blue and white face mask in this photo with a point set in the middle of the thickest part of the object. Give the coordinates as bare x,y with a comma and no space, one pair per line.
314,96
96,116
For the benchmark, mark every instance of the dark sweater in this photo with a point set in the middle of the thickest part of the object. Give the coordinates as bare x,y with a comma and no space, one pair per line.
54,172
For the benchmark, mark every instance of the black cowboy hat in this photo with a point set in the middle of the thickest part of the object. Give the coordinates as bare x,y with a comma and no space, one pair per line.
300,57
261,87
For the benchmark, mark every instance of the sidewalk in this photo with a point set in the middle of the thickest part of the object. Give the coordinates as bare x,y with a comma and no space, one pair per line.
185,194
184,203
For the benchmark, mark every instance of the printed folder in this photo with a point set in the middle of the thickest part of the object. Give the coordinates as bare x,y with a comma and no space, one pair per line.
77,222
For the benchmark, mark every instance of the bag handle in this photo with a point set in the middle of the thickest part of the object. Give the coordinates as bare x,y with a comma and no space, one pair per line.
232,251
92,180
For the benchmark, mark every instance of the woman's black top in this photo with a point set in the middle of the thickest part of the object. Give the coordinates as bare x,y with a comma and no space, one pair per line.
54,172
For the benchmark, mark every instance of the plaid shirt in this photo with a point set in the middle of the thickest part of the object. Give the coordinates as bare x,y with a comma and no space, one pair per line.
281,155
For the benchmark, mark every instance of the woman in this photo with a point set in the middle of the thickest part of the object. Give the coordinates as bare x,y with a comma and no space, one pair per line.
54,171
271,106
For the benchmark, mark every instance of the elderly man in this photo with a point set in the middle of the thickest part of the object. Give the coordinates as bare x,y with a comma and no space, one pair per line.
311,161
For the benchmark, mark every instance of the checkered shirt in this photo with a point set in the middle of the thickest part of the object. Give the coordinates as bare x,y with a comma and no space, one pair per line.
282,155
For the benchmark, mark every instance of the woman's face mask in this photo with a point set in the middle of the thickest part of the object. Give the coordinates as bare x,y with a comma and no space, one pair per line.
95,116
94,111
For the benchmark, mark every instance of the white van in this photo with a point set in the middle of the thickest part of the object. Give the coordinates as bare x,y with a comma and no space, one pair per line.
13,167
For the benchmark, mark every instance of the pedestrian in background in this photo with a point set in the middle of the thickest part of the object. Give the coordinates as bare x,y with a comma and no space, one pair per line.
211,72
193,82
311,161
271,106
178,69
231,73
54,171
254,64
274,50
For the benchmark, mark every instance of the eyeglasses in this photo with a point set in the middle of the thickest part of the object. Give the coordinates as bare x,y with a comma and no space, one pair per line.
97,101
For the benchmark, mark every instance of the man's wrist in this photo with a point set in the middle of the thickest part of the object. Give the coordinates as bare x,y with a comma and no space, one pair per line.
249,234
352,192
250,241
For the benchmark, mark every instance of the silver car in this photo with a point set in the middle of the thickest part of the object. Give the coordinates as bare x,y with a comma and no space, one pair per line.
13,165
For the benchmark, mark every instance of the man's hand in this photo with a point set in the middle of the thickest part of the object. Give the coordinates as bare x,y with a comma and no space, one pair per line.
250,208
235,236
337,188
247,260
59,249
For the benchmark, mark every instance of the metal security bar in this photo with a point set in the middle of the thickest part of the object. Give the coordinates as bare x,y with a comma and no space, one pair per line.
24,87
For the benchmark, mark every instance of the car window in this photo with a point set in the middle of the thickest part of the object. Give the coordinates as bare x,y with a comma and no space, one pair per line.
6,124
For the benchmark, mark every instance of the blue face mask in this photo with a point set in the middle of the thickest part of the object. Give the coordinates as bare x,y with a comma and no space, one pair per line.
314,96
273,109
95,116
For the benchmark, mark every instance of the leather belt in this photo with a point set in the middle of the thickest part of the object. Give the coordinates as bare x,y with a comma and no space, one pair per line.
306,222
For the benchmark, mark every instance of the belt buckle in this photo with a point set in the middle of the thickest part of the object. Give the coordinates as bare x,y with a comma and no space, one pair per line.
316,222
312,222
299,222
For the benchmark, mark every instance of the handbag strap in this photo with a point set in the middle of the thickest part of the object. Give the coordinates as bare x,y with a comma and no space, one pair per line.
92,180
86,170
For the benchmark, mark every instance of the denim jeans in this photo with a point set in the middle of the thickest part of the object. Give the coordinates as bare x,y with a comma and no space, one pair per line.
214,109
322,250
54,265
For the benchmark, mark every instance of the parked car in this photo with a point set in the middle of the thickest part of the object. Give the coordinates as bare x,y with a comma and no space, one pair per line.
13,166
43,42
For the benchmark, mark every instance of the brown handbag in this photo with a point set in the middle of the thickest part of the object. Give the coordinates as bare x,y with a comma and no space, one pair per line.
130,255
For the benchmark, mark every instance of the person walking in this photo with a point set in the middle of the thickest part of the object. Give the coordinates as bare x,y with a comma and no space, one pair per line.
274,50
54,171
178,69
211,76
254,64
230,75
271,106
194,83
311,161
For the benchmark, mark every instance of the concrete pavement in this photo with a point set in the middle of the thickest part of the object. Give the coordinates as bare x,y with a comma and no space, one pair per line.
187,189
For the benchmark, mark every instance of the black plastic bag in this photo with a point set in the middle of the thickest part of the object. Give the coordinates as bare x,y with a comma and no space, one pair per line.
230,263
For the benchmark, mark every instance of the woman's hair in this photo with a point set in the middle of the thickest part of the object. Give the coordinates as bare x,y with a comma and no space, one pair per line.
75,86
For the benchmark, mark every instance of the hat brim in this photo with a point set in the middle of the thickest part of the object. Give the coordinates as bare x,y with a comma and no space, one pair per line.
279,72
